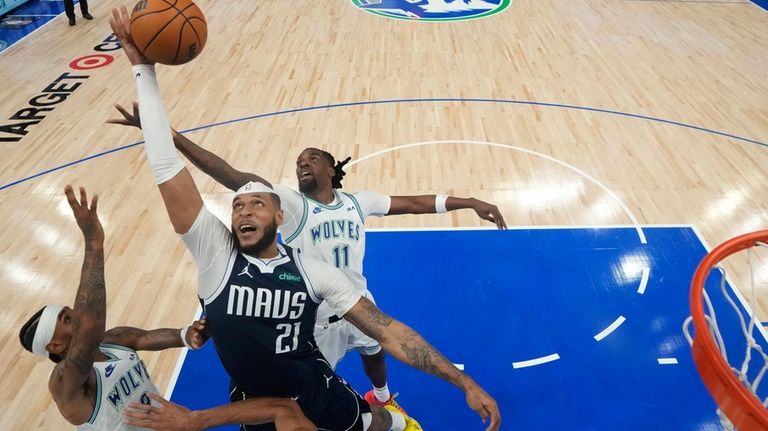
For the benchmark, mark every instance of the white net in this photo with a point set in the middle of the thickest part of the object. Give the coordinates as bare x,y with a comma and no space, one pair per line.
748,359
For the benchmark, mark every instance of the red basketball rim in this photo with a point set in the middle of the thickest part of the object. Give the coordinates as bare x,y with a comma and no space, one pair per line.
742,408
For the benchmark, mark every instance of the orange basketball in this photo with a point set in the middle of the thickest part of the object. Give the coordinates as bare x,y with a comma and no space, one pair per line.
168,31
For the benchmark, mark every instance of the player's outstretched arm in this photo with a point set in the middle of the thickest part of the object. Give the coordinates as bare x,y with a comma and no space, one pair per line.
180,194
88,315
284,412
409,347
430,204
208,162
195,336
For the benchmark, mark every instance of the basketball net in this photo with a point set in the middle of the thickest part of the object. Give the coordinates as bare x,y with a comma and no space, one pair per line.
753,352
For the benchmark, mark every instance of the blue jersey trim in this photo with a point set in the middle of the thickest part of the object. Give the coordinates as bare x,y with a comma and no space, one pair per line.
357,206
324,206
304,215
97,405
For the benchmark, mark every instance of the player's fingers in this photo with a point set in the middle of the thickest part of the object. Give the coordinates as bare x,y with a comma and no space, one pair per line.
70,196
136,109
122,111
94,202
83,198
159,399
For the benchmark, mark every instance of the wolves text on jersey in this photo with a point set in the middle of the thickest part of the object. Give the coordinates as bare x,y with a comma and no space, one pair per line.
127,383
335,229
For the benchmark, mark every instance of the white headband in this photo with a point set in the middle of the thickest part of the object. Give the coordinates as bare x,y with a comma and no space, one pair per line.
46,326
253,187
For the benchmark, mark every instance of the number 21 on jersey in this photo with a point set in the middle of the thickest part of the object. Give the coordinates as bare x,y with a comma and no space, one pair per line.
341,256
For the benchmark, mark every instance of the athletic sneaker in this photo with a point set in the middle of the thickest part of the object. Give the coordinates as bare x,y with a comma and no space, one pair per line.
410,423
372,400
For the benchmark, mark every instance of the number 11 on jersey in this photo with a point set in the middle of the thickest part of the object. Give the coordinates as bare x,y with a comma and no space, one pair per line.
341,256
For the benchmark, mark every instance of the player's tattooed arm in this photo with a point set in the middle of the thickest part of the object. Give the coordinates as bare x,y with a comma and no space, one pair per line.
158,339
403,342
88,315
408,346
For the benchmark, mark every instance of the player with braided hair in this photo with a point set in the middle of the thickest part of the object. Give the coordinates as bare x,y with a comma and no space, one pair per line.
329,225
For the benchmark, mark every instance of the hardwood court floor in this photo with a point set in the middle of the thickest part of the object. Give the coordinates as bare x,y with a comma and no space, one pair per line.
696,63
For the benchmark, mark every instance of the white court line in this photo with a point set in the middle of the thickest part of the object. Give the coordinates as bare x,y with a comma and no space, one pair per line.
644,281
459,366
27,16
667,361
607,331
536,361
524,227
179,362
592,179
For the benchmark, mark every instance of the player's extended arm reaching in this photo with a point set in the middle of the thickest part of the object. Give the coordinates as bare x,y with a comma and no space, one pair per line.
194,337
411,348
283,412
87,318
211,164
226,175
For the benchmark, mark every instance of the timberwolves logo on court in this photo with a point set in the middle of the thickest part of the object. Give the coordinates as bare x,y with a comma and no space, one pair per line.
433,10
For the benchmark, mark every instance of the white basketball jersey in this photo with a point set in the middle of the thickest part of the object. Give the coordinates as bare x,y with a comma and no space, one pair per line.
333,233
120,380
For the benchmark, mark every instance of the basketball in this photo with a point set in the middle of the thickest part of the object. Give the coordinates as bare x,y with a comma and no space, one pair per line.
168,31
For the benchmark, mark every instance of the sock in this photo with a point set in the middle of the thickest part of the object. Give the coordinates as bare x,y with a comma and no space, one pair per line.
398,421
382,394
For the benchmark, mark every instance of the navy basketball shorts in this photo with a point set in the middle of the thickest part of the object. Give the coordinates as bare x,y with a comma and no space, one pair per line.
328,401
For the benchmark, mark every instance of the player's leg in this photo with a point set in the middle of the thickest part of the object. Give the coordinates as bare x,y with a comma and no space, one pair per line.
332,340
334,405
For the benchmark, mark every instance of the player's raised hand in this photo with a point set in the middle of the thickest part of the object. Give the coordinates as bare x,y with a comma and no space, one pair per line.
482,403
86,217
489,212
120,23
197,334
129,119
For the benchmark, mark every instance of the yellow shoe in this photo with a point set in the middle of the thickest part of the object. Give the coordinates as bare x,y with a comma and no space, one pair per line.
410,423
370,397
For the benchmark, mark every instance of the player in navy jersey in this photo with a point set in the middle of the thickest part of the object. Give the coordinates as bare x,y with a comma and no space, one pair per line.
260,297
99,373
329,225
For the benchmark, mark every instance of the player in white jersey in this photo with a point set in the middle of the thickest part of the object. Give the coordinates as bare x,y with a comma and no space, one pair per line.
329,225
98,373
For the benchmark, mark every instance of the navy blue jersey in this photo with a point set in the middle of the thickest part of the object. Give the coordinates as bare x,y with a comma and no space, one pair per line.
262,325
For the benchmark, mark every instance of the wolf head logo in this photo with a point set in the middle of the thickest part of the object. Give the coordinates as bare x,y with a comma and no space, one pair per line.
433,10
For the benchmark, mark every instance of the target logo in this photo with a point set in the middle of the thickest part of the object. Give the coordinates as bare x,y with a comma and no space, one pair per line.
88,62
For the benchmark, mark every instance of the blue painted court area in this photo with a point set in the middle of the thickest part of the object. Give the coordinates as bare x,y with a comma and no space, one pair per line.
23,20
490,299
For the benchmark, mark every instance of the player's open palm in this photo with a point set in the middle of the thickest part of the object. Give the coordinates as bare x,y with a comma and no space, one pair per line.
120,23
86,216
482,403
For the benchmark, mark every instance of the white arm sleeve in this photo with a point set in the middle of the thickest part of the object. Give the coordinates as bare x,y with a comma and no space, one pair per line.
293,209
211,244
328,283
158,142
372,203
